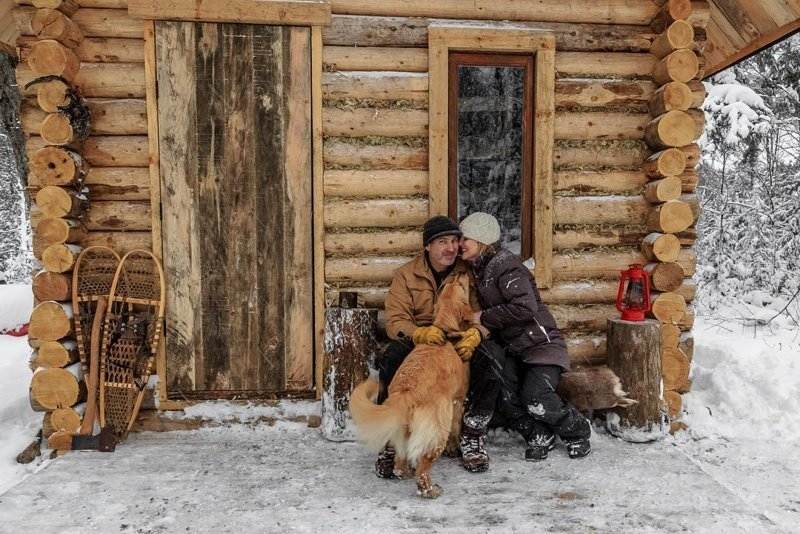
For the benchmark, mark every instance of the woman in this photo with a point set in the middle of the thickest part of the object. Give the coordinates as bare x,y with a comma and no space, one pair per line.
513,311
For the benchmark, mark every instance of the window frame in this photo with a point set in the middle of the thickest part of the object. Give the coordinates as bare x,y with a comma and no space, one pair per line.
495,59
445,37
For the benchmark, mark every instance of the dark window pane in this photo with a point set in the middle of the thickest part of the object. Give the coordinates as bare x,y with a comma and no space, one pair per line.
489,150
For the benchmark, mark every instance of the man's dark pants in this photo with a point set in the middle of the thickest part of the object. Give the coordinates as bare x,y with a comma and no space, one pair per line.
485,369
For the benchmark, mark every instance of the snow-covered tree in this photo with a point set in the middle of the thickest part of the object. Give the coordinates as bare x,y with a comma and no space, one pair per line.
750,176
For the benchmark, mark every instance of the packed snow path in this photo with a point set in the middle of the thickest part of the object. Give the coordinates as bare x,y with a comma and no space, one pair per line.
287,478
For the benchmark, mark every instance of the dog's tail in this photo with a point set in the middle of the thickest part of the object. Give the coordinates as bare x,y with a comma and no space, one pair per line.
376,424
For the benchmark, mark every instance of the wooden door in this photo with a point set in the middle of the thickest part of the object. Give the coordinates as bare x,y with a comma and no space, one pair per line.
234,110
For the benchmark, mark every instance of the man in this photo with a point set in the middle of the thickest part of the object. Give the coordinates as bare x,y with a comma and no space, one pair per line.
409,314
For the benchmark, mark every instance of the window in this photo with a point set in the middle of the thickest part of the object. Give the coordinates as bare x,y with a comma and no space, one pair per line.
490,142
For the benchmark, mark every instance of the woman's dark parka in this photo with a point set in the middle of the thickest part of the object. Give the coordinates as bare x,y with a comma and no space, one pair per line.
513,310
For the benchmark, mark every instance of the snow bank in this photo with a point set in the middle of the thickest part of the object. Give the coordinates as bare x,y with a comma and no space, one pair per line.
745,379
18,423
228,411
16,303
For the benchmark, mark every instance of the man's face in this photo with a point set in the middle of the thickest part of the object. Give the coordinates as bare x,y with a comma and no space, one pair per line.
442,252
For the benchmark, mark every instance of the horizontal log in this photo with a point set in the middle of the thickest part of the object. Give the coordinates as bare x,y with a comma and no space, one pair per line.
53,24
594,154
674,404
357,30
411,86
60,420
385,183
118,183
671,10
55,201
602,11
50,96
671,217
668,188
361,122
591,236
585,318
586,350
676,36
692,153
600,210
363,269
102,80
606,64
107,151
108,23
606,264
672,129
672,96
53,388
686,344
689,181
375,213
278,12
60,258
344,58
694,204
601,182
337,153
54,165
51,321
55,354
668,307
667,276
51,286
698,90
669,162
68,7
52,230
113,4
51,58
60,129
661,247
600,125
674,369
121,242
577,92
679,66
377,243
118,216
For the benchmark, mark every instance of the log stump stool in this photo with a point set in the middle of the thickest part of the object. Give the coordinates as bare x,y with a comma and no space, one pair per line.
350,344
634,354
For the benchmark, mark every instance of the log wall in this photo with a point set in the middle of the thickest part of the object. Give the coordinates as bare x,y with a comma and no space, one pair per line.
111,78
375,137
375,127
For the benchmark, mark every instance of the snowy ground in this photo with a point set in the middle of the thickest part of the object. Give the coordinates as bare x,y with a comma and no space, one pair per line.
734,471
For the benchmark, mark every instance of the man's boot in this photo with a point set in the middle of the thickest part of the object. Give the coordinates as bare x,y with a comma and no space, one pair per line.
384,465
474,457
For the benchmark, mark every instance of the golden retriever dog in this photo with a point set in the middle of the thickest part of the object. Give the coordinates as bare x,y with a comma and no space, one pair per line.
426,397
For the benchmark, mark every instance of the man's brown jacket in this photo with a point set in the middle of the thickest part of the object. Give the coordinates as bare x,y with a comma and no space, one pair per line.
413,295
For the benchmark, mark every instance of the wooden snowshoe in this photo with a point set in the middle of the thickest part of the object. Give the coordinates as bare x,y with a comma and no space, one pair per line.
131,335
91,283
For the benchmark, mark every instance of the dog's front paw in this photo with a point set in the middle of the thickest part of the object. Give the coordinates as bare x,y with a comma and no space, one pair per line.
433,491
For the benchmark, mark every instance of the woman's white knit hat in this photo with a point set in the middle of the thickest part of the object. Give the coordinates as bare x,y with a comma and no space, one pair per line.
481,227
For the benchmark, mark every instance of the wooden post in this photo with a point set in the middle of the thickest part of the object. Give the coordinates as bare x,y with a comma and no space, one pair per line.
634,354
350,344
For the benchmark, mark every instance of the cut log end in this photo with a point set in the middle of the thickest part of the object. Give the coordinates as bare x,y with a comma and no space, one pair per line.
661,247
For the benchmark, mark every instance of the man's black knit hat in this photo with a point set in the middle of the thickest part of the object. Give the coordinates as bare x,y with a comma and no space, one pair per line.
439,226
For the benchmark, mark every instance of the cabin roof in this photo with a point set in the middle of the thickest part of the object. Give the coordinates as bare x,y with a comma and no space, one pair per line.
740,28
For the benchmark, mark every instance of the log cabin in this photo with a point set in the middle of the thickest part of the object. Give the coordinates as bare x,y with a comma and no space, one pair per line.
279,155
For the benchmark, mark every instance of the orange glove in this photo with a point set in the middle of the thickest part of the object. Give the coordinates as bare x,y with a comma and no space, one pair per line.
428,335
470,339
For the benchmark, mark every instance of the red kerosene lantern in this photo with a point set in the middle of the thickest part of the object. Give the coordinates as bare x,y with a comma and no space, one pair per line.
636,301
